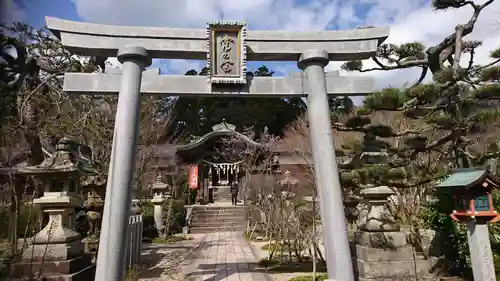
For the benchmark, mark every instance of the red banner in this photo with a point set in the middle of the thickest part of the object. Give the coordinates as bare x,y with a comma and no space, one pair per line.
193,176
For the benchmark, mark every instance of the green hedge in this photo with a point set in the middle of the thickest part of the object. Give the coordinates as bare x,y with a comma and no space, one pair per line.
309,278
177,222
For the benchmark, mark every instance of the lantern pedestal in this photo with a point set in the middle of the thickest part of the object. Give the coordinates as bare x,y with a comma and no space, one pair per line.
480,250
56,251
380,248
92,240
158,216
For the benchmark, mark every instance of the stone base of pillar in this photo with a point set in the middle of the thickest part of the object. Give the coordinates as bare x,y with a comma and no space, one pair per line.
61,262
386,256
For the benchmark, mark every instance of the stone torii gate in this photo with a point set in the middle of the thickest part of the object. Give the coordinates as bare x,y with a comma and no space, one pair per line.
226,46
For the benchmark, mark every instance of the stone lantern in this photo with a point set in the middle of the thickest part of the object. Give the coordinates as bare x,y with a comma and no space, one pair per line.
94,189
160,189
57,245
381,249
379,217
351,203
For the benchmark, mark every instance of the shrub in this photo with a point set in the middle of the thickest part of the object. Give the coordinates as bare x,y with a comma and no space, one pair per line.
309,278
28,221
178,216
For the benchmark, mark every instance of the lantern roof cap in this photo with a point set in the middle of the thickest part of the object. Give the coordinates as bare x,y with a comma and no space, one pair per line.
63,160
159,183
469,177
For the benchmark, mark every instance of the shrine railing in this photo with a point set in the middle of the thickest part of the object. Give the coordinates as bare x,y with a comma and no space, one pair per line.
134,243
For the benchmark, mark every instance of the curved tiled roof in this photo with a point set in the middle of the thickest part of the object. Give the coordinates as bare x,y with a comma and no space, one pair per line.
206,137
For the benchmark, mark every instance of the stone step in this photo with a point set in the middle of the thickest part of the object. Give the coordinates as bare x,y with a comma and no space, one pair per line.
198,222
217,220
210,229
240,225
219,209
219,215
235,213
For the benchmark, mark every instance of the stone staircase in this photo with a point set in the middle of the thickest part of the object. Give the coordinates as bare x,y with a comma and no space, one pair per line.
207,219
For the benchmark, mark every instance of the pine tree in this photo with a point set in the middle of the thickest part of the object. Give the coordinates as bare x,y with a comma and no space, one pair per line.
449,114
452,120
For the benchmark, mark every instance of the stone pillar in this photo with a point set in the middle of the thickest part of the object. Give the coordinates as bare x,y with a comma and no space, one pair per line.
338,255
189,213
381,249
112,246
480,251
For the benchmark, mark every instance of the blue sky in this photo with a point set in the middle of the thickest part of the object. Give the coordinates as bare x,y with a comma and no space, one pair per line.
410,20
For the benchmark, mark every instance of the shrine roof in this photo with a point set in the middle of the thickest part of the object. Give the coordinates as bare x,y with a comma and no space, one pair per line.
219,130
466,178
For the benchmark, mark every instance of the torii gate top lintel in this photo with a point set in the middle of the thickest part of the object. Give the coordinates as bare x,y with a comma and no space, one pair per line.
175,43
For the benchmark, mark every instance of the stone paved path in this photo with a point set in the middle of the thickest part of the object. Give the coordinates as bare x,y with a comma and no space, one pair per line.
168,262
225,256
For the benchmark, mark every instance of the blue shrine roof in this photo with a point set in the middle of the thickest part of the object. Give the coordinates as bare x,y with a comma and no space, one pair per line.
467,178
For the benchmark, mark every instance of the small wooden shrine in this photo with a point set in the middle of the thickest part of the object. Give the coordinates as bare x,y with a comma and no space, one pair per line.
472,191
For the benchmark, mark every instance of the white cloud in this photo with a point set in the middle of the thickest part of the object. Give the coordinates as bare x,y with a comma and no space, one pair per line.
262,14
410,20
10,11
429,27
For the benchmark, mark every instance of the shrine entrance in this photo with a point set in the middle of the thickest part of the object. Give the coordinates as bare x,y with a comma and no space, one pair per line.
220,178
218,167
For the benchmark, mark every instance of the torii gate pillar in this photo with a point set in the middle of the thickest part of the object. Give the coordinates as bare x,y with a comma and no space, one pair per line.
114,229
338,253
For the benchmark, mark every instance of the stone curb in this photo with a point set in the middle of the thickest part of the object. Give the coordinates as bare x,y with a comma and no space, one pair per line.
255,255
